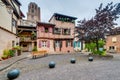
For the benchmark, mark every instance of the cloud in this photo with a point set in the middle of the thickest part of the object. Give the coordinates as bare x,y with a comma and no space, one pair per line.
78,8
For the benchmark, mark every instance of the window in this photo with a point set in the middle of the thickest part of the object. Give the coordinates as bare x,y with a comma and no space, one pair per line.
57,30
13,43
24,45
114,39
111,48
69,43
46,30
32,10
66,31
44,43
14,22
57,43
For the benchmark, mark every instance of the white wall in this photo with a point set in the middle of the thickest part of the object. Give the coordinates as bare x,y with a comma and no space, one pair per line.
5,18
6,39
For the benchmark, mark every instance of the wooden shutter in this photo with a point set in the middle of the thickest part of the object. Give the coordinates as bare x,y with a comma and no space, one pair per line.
50,30
71,43
40,44
66,43
42,29
48,44
78,44
74,44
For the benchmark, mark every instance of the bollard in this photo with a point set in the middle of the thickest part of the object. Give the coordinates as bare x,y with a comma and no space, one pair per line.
90,59
73,61
52,64
13,74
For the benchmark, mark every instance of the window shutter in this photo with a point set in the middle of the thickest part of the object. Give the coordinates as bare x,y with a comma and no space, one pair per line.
74,44
39,44
50,30
42,29
78,44
66,43
48,44
71,43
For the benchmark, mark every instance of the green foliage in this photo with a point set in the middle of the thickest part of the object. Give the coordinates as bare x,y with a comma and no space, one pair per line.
92,47
6,52
101,43
103,53
17,47
35,48
11,53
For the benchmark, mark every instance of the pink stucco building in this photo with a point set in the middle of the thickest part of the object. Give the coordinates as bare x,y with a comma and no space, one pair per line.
57,35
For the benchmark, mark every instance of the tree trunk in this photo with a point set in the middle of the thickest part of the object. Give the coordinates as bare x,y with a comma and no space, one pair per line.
97,45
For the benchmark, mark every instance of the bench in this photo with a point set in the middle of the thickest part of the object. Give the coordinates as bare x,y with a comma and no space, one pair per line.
39,53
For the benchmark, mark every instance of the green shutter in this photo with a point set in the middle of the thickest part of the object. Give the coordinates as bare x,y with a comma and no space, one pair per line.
78,44
74,43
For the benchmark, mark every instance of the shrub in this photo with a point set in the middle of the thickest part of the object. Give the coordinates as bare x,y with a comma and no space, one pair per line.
11,53
17,47
6,52
35,48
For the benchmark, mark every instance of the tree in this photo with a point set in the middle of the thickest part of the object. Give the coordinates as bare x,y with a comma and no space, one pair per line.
100,25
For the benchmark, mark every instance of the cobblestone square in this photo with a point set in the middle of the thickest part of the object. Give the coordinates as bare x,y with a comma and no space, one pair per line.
37,69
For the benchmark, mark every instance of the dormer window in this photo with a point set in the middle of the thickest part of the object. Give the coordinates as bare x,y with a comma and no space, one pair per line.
46,30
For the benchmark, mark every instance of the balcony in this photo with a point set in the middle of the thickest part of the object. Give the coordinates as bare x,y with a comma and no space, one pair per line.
27,39
57,36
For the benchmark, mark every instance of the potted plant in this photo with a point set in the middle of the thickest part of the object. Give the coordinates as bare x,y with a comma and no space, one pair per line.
18,50
5,54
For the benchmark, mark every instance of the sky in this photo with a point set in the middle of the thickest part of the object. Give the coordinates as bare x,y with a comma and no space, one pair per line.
76,8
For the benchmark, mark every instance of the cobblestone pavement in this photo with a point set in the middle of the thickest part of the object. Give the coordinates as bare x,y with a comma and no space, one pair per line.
37,69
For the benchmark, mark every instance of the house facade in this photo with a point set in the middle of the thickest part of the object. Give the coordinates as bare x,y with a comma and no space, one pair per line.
27,28
61,33
113,43
45,37
76,43
10,14
27,35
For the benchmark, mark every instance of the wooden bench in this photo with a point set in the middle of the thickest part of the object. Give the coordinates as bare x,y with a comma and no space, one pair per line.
39,53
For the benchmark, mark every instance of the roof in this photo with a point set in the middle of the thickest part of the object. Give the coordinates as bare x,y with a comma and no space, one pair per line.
18,2
45,24
58,14
22,14
5,2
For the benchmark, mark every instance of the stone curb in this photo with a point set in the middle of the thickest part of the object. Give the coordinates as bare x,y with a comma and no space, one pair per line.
5,67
